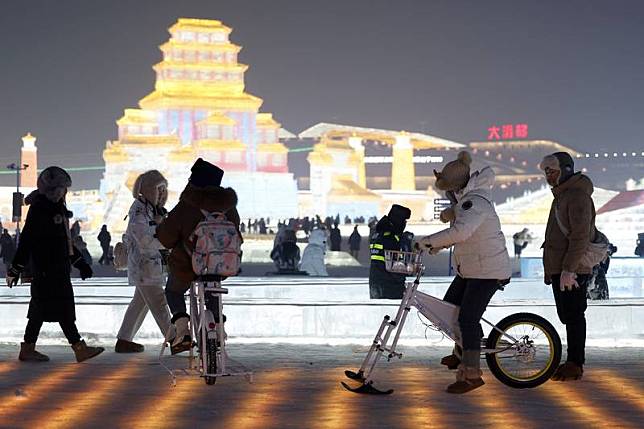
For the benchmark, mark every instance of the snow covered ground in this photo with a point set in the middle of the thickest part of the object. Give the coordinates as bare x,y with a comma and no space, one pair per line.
298,386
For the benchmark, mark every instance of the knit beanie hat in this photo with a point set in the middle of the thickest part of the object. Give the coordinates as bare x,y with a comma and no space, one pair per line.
455,174
205,174
561,161
398,216
146,186
53,183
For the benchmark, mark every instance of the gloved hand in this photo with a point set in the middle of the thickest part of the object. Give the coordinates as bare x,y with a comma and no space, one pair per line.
447,215
567,281
547,279
13,274
426,244
84,269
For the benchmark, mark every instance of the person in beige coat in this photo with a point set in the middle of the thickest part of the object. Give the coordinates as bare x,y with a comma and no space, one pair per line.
144,261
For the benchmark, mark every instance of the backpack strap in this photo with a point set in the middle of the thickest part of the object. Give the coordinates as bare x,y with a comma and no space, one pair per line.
213,215
561,226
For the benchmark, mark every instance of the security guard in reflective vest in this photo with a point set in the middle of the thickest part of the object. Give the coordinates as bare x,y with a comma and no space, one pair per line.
387,236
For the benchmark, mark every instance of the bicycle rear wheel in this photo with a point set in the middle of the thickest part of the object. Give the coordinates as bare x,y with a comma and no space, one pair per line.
527,351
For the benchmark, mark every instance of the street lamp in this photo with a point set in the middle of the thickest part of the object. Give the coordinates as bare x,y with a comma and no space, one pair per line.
28,141
17,197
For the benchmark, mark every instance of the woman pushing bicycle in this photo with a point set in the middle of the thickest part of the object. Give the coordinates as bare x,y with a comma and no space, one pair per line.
482,262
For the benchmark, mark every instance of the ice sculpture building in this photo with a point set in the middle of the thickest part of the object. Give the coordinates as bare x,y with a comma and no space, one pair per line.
199,108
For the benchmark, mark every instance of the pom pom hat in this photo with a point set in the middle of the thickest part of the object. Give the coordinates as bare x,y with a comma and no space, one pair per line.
455,174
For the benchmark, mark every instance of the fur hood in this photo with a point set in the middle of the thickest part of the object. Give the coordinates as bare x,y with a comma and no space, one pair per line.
480,183
209,198
578,182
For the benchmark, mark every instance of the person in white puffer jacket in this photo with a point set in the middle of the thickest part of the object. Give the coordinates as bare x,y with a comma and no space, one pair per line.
481,259
144,260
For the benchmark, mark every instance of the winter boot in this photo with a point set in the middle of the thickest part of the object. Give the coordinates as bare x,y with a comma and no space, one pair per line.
28,353
568,371
469,374
84,352
182,340
453,360
123,346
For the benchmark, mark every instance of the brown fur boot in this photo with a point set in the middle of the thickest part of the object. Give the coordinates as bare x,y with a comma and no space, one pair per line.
568,371
467,379
28,353
84,352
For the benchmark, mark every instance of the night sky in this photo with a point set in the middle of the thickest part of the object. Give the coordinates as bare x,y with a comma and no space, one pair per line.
572,70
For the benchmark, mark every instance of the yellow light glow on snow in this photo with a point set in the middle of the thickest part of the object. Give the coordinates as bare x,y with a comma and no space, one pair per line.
620,387
84,404
161,410
13,404
257,408
7,366
496,401
568,395
418,391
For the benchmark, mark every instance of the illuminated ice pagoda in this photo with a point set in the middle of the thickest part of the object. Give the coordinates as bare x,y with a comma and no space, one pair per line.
199,109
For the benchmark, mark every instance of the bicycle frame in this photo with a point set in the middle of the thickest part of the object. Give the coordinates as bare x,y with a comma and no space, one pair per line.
441,314
203,326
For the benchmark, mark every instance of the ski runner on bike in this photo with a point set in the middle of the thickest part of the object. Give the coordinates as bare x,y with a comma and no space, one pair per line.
481,260
203,192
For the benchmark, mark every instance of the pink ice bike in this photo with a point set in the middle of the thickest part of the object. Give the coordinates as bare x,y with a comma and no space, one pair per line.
523,350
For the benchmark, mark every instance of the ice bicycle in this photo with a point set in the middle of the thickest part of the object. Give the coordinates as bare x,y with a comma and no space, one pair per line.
209,336
523,350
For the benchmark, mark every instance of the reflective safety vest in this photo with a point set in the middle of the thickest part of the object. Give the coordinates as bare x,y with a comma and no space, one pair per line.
377,246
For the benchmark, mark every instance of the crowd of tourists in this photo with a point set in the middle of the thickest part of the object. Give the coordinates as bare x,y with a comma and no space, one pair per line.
157,240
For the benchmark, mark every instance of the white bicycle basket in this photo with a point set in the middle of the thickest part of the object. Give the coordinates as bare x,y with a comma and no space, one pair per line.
402,262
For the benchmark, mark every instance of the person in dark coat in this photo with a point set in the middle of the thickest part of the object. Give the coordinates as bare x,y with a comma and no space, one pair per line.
355,240
286,255
7,248
105,238
203,192
46,243
335,237
262,226
387,235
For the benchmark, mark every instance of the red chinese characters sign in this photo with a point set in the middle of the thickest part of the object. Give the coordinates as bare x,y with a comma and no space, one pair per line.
507,132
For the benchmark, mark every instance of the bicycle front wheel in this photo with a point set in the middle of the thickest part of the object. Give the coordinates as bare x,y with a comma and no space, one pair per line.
525,353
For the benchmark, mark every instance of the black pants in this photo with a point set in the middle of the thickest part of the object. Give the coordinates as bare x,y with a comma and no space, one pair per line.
177,300
69,329
175,291
571,308
105,260
473,296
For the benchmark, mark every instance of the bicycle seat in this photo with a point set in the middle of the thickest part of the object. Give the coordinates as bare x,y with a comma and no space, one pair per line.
216,290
